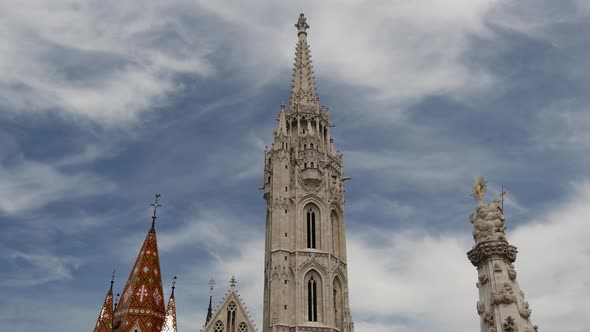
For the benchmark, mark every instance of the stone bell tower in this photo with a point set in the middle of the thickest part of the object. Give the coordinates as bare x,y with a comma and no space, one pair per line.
305,271
501,306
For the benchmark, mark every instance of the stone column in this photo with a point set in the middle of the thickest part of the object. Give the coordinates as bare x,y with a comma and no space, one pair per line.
501,306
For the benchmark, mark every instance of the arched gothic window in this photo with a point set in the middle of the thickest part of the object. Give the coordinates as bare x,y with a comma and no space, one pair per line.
231,317
311,228
312,300
242,327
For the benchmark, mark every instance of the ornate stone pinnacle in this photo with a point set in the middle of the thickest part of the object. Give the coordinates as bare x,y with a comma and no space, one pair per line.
301,24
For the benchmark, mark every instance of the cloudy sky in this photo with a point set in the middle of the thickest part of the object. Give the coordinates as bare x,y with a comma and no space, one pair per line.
104,103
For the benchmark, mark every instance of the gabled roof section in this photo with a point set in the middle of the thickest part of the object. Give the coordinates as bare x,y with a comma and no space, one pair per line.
231,301
104,323
303,90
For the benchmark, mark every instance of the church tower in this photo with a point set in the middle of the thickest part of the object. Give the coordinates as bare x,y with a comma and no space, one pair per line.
501,306
306,275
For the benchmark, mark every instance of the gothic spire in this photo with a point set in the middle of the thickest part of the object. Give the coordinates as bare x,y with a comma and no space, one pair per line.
303,91
104,323
210,309
141,307
170,320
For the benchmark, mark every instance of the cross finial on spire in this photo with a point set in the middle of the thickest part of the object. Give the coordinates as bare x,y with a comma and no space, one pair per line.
211,284
301,24
173,286
233,282
112,279
155,205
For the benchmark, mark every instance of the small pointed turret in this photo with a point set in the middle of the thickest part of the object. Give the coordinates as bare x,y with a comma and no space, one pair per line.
210,309
282,130
303,91
170,320
104,323
141,307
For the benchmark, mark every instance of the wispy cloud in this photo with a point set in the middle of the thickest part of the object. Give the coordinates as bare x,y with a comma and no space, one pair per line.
103,62
28,185
37,268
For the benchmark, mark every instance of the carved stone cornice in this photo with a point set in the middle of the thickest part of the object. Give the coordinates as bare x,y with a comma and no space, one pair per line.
486,250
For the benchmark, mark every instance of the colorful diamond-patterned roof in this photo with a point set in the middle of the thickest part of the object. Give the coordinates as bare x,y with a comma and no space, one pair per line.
104,323
170,321
141,307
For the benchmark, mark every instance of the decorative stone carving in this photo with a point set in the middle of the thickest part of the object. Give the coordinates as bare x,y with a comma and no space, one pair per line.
481,308
488,222
504,295
486,250
488,318
483,278
511,272
509,325
524,310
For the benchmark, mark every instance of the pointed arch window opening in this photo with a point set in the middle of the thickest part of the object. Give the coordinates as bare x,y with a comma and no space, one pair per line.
231,317
312,300
311,229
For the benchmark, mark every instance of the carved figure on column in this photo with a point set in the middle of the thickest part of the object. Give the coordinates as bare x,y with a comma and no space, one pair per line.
524,310
488,222
510,325
511,272
504,295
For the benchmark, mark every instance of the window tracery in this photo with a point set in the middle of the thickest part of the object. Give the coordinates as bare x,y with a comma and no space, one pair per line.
218,326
